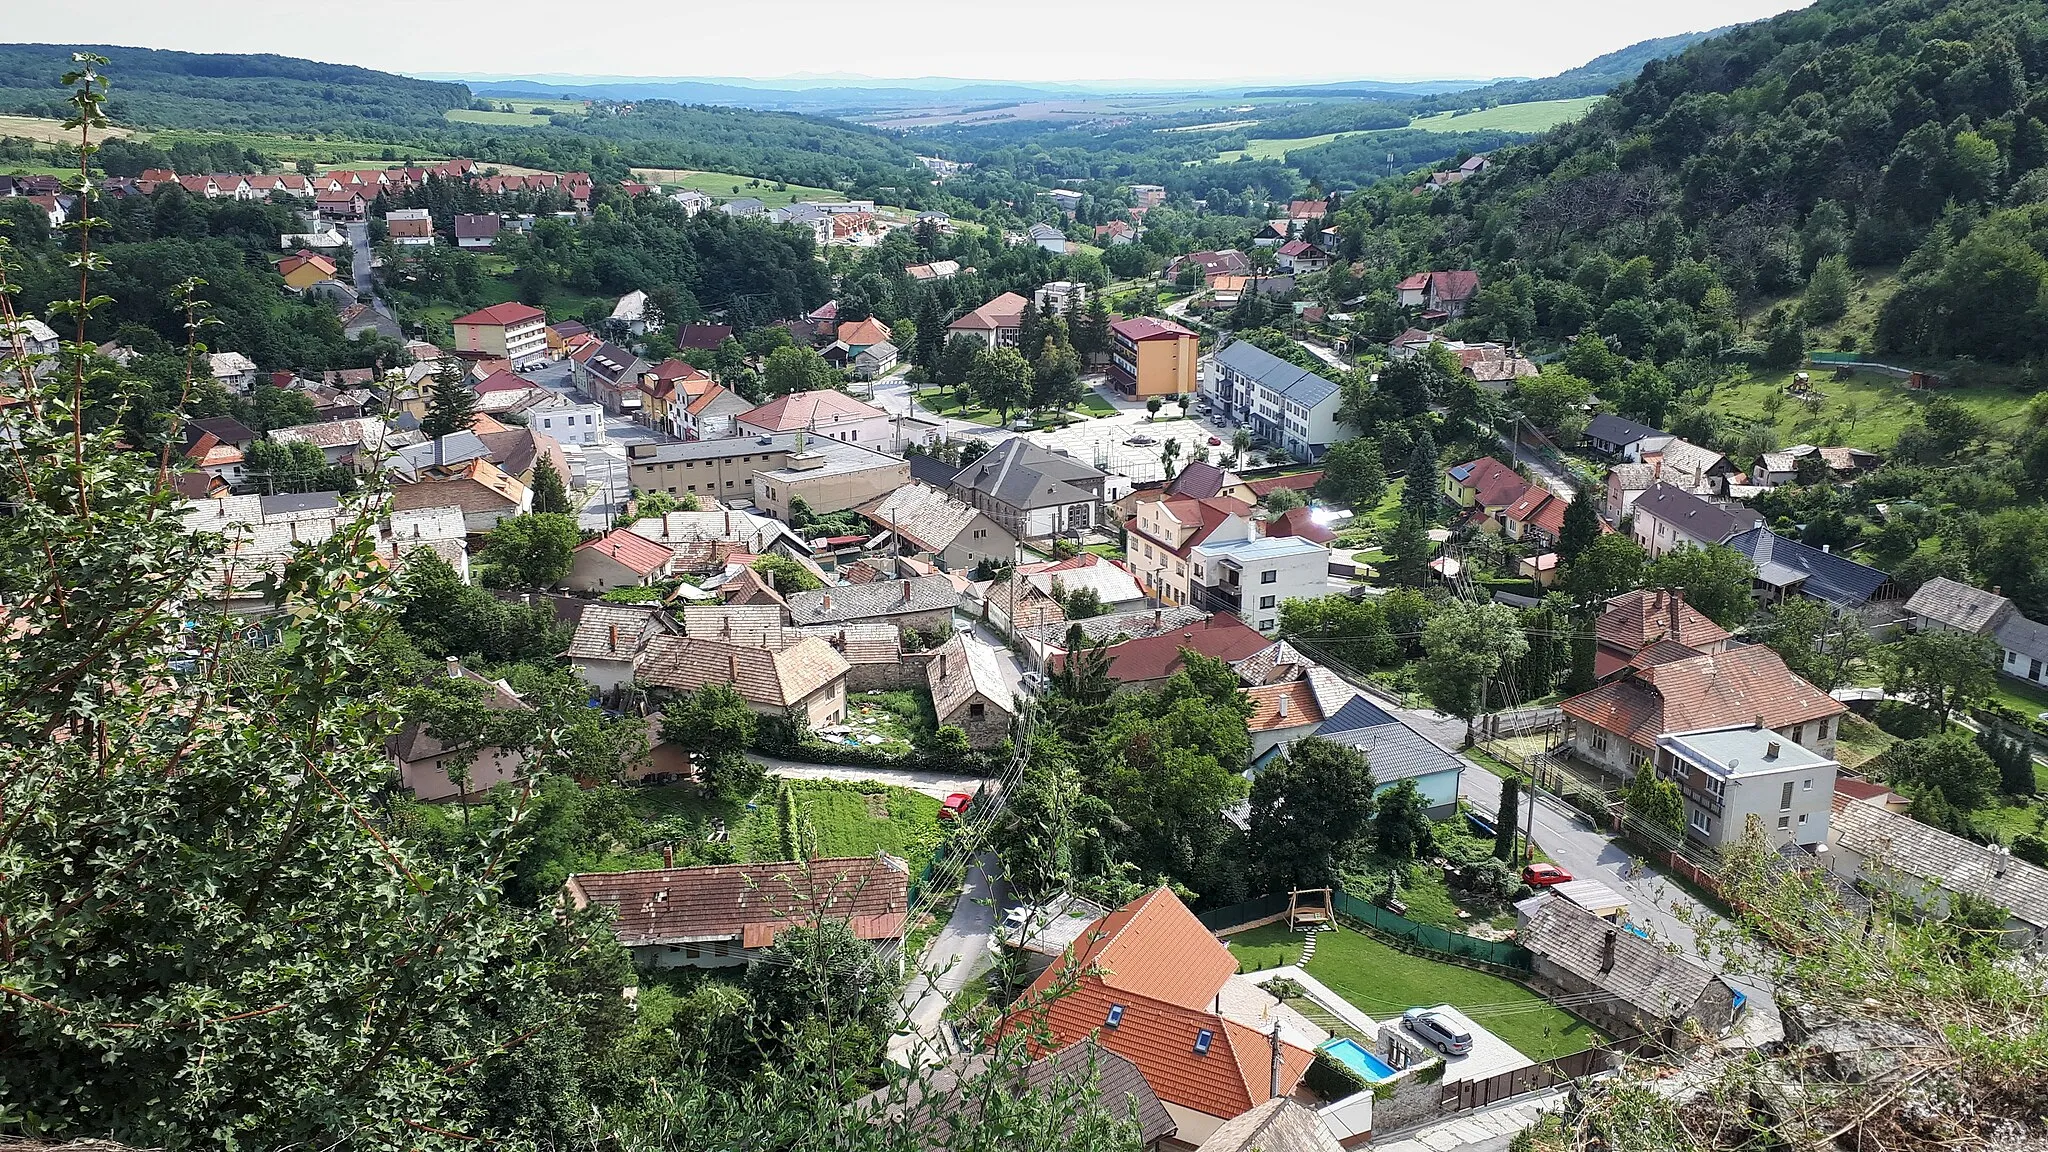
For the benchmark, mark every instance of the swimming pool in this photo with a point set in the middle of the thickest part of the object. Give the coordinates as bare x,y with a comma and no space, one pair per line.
1354,1056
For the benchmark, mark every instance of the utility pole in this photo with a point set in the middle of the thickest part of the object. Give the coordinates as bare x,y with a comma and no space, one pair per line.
1273,1087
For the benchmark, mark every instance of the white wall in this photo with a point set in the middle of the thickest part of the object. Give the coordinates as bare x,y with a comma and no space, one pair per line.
569,423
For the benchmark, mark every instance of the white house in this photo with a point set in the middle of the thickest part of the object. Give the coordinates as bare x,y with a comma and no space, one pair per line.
1253,576
569,421
409,227
1047,237
232,371
691,201
1061,296
1944,604
1730,776
826,413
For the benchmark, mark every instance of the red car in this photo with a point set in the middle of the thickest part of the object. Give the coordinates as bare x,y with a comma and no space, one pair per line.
955,806
1215,440
1545,875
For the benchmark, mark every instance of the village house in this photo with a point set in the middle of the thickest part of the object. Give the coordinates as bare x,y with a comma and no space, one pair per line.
1668,518
721,469
477,231
826,414
936,270
1151,357
1683,464
1536,518
1623,983
1253,576
2022,643
1486,486
357,442
921,604
1047,237
618,559
342,204
1613,436
974,688
1283,1124
1300,258
484,492
232,371
609,640
570,421
805,678
1871,845
409,227
1734,775
1440,295
304,269
995,323
437,770
510,331
1147,662
1162,536
1228,262
712,414
1032,491
1787,568
610,375
1149,983
702,337
706,542
1651,626
931,525
1837,465
723,915
1615,727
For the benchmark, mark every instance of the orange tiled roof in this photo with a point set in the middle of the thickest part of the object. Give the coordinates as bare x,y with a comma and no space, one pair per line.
1632,620
635,551
860,333
1714,690
1266,699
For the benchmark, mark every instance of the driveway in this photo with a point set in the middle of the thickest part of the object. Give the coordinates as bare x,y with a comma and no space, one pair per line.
935,784
1552,479
959,953
359,243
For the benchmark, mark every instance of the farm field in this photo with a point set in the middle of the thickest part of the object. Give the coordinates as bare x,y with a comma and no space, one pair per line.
1276,149
720,185
1535,116
46,130
522,114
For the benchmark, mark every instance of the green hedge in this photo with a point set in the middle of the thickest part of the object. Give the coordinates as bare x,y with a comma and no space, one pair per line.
1331,1079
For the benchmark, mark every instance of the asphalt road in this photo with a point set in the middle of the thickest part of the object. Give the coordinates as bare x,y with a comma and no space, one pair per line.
958,953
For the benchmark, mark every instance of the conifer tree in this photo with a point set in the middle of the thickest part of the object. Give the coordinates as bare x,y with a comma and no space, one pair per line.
549,493
451,403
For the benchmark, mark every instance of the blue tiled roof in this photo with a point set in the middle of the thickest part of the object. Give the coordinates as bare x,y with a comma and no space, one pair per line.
1360,713
1836,579
1298,385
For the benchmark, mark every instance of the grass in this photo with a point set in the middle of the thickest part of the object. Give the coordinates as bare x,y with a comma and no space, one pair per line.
521,116
1858,741
2019,696
327,153
1383,981
846,823
1095,405
1865,410
1106,551
1534,116
721,185
46,130
1276,149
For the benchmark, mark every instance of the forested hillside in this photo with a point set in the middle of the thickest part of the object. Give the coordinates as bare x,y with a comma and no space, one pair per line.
1849,132
161,89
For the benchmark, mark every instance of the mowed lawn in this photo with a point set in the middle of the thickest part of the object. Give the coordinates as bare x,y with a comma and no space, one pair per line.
522,119
849,819
1867,409
1383,982
1534,116
721,184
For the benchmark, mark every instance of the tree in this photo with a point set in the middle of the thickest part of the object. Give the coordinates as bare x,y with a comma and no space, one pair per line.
1644,395
1152,407
786,575
1056,378
1419,492
1282,500
1716,580
930,344
1827,293
1580,531
956,361
1402,829
715,726
1352,474
2014,758
1655,800
1407,547
1944,671
1307,810
1590,359
1818,643
1169,457
791,370
1613,565
1241,443
1950,764
1548,398
1505,819
819,970
550,495
451,403
532,551
1465,645
1000,380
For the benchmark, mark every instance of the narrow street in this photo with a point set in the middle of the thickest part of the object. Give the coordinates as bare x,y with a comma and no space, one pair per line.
959,953
936,784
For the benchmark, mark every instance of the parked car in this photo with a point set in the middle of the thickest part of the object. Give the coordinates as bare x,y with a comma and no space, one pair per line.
955,806
1438,1030
1142,441
1545,875
1032,682
1215,441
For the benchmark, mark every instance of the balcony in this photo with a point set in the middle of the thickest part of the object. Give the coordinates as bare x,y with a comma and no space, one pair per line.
1218,598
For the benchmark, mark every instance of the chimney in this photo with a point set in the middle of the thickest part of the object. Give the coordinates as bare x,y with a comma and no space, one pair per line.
454,668
1771,750
1273,1084
732,662
1607,950
668,855
1158,619
1283,705
906,591
1673,603
826,603
1759,721
615,637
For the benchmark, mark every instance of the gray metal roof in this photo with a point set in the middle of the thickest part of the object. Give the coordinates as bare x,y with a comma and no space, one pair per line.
1612,429
2026,637
1025,475
1697,517
285,502
1837,580
1395,752
1296,384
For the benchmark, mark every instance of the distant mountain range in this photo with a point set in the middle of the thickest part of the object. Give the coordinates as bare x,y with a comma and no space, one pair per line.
1596,77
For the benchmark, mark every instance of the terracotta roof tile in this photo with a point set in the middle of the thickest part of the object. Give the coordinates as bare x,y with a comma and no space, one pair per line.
1298,697
749,901
510,312
1713,690
636,552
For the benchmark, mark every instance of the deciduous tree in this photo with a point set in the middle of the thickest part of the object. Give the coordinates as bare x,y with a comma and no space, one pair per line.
1716,580
1308,809
532,551
1945,671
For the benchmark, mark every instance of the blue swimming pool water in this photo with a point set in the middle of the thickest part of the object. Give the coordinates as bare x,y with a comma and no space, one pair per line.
1356,1058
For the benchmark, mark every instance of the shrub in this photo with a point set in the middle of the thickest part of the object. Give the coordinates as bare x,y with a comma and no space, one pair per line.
1330,1079
1906,721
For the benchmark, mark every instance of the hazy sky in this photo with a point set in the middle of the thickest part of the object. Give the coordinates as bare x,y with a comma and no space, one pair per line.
1053,40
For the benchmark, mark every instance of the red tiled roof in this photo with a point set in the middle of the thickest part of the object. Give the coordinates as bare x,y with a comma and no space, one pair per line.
1299,482
1300,522
800,410
639,554
510,312
1005,311
750,901
1634,620
1454,285
1147,328
1154,960
1220,637
1494,484
1415,283
1714,690
1300,700
860,333
502,381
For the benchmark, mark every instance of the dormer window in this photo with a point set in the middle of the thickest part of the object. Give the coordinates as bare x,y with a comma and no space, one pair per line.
1116,1015
1202,1041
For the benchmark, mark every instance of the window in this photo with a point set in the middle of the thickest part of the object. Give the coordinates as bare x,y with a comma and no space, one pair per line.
1802,819
1266,601
1821,733
1785,796
976,710
1806,785
1266,625
1116,1015
587,418
2034,670
1269,576
1784,823
1702,823
1202,1040
1180,569
690,951
1599,741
